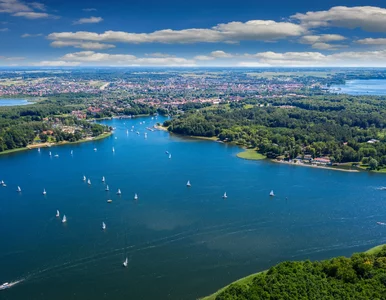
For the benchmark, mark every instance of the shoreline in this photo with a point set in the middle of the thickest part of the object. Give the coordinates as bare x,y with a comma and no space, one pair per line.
249,278
48,145
314,166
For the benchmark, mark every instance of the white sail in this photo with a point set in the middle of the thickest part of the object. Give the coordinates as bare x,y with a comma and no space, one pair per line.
2,182
272,193
103,225
126,262
57,214
49,153
84,178
38,149
89,181
188,183
170,156
225,195
72,152
107,188
113,149
119,192
64,220
103,179
135,197
44,192
18,189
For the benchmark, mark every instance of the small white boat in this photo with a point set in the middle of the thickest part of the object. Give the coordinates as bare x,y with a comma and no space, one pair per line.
272,194
64,220
95,149
103,225
126,262
140,123
89,182
18,189
119,192
44,192
107,188
72,152
49,153
127,131
103,179
7,285
225,195
38,149
2,182
113,149
57,214
56,155
188,184
109,201
84,178
170,156
381,223
138,132
135,197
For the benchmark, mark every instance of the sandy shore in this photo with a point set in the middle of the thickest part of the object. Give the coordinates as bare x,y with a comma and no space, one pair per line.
312,166
160,127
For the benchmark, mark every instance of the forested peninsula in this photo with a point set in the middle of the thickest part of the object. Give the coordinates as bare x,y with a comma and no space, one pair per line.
362,276
337,128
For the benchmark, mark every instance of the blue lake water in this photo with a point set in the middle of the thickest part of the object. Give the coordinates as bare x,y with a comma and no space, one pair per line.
182,243
361,87
13,102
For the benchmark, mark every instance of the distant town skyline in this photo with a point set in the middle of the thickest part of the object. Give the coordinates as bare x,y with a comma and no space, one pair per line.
200,33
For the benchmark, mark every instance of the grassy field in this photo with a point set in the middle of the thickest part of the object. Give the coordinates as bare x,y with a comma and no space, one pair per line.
13,150
248,279
251,154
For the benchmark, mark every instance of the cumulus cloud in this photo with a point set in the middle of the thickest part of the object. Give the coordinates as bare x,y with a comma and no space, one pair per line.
158,54
322,41
326,46
91,20
372,41
56,63
95,58
256,30
342,59
21,9
368,18
81,45
28,35
203,57
213,55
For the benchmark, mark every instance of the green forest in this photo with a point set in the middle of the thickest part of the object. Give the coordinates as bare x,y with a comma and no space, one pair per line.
363,276
337,126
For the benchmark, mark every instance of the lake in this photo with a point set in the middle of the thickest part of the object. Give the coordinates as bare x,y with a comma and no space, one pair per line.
13,102
361,87
181,243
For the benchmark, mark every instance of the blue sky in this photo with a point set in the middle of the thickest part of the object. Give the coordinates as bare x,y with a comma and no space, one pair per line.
193,33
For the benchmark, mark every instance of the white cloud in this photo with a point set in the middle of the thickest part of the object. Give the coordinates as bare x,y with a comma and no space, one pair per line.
34,15
372,41
203,57
81,45
95,58
4,29
27,35
11,58
27,10
342,59
56,63
158,54
220,54
230,32
89,9
368,18
91,20
322,38
326,46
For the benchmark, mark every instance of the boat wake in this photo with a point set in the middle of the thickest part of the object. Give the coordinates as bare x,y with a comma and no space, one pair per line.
8,285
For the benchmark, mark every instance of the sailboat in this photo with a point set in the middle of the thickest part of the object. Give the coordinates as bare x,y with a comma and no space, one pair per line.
272,193
44,192
84,178
126,262
119,192
135,197
39,150
49,153
72,152
64,220
103,225
113,149
225,195
56,155
127,131
107,188
57,214
89,181
170,156
145,135
18,189
167,152
188,184
95,149
2,182
103,179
